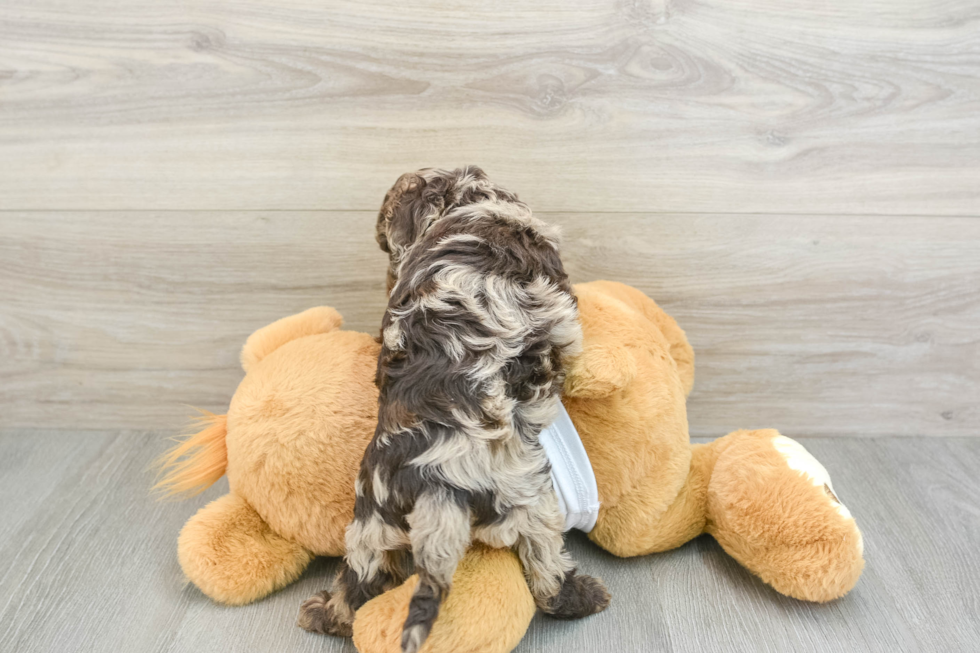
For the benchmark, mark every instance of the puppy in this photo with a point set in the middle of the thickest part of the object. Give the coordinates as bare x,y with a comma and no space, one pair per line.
480,326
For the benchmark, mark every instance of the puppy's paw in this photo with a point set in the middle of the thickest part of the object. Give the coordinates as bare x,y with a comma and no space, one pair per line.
580,596
317,615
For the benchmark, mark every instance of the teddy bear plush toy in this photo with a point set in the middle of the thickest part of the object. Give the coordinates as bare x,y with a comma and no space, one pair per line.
293,437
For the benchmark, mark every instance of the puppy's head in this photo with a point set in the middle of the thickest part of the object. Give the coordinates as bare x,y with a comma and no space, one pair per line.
419,199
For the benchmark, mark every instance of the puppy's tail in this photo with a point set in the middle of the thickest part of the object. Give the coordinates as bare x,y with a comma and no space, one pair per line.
196,462
440,536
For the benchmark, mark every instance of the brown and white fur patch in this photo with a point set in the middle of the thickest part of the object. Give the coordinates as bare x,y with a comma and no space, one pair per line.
480,326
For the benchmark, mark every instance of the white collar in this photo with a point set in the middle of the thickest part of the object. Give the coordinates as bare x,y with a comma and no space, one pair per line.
571,473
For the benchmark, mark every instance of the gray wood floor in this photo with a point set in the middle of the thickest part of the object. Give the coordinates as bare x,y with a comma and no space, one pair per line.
89,564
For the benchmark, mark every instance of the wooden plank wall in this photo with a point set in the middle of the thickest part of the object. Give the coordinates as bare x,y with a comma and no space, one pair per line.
797,181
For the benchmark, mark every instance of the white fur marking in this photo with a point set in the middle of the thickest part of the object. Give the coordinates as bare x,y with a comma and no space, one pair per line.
380,490
801,460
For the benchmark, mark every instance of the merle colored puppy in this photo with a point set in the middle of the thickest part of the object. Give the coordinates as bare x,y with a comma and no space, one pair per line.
480,325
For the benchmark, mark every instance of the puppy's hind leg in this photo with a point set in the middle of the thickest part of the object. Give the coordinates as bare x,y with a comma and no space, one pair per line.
558,589
376,562
440,534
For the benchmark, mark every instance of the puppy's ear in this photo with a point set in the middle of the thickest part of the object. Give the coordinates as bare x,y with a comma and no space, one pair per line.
381,234
397,221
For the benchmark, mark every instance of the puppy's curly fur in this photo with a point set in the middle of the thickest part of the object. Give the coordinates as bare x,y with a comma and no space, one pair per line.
480,325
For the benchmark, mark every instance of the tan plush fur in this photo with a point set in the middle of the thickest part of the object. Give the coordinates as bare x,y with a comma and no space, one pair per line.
307,408
778,525
233,556
493,623
319,319
197,462
297,428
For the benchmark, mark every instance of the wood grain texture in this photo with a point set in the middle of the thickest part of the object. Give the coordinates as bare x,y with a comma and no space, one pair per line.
594,105
815,325
129,319
90,565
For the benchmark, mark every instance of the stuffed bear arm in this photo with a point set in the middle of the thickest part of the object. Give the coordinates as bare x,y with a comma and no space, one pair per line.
600,370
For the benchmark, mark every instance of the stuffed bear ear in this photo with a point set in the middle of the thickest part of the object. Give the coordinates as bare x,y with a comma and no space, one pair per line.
600,370
321,319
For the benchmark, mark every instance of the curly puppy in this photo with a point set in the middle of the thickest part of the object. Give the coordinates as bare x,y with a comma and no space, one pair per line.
480,325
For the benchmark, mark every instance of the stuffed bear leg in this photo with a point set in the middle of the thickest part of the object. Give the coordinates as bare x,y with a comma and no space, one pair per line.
769,504
233,556
639,524
488,609
772,507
